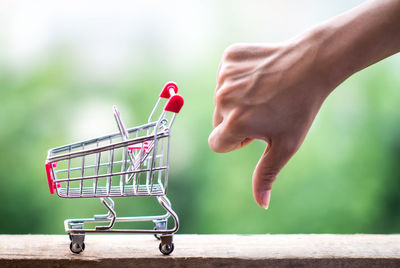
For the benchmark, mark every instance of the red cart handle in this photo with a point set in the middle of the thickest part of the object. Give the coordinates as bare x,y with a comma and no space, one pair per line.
50,177
175,102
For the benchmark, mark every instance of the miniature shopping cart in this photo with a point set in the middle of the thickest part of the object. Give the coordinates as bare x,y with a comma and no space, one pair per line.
133,162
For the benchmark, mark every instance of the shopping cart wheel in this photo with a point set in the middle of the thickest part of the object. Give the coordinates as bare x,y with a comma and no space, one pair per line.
77,247
77,244
166,249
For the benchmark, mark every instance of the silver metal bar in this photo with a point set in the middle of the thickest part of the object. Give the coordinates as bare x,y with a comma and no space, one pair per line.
154,110
142,156
87,167
162,116
119,219
103,148
161,199
109,178
109,174
166,170
97,169
111,212
124,136
109,170
172,120
105,217
69,172
161,158
91,141
83,169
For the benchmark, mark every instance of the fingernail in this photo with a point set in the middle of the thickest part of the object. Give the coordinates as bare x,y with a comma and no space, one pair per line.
265,198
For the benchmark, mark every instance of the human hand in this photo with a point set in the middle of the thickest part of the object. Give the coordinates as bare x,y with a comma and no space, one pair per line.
271,93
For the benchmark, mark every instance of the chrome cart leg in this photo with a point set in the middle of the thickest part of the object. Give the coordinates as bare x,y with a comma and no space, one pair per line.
77,244
166,245
111,214
160,225
110,204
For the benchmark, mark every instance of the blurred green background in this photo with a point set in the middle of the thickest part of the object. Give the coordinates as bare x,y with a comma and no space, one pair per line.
64,64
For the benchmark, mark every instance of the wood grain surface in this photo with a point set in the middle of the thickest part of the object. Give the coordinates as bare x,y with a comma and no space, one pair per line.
311,250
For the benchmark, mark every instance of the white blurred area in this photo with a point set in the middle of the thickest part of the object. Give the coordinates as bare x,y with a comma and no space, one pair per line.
103,36
104,40
91,119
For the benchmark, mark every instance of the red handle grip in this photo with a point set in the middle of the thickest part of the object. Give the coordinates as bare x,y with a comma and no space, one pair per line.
50,178
174,104
165,93
175,101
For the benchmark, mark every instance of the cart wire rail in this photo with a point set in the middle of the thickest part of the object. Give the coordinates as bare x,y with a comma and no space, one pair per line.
131,162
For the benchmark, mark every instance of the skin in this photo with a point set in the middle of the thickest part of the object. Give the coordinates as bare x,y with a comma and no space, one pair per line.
273,92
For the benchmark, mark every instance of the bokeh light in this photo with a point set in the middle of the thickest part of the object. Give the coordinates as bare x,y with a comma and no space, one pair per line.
63,64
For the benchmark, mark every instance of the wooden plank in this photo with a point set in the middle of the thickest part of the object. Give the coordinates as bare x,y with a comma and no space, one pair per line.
315,250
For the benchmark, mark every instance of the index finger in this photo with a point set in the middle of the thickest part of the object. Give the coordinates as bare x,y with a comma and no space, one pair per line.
223,140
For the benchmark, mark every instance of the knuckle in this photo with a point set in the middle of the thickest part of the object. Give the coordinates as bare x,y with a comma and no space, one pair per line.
231,92
228,52
234,51
237,122
226,68
227,73
222,76
221,96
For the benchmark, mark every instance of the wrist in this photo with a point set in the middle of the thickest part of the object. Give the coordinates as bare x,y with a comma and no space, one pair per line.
354,40
324,58
332,62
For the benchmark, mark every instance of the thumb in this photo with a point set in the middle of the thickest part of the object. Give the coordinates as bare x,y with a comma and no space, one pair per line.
271,162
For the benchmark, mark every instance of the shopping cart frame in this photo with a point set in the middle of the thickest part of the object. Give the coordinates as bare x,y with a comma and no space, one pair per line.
147,147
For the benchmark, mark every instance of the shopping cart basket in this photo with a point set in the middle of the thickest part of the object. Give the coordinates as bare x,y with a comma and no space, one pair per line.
133,162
